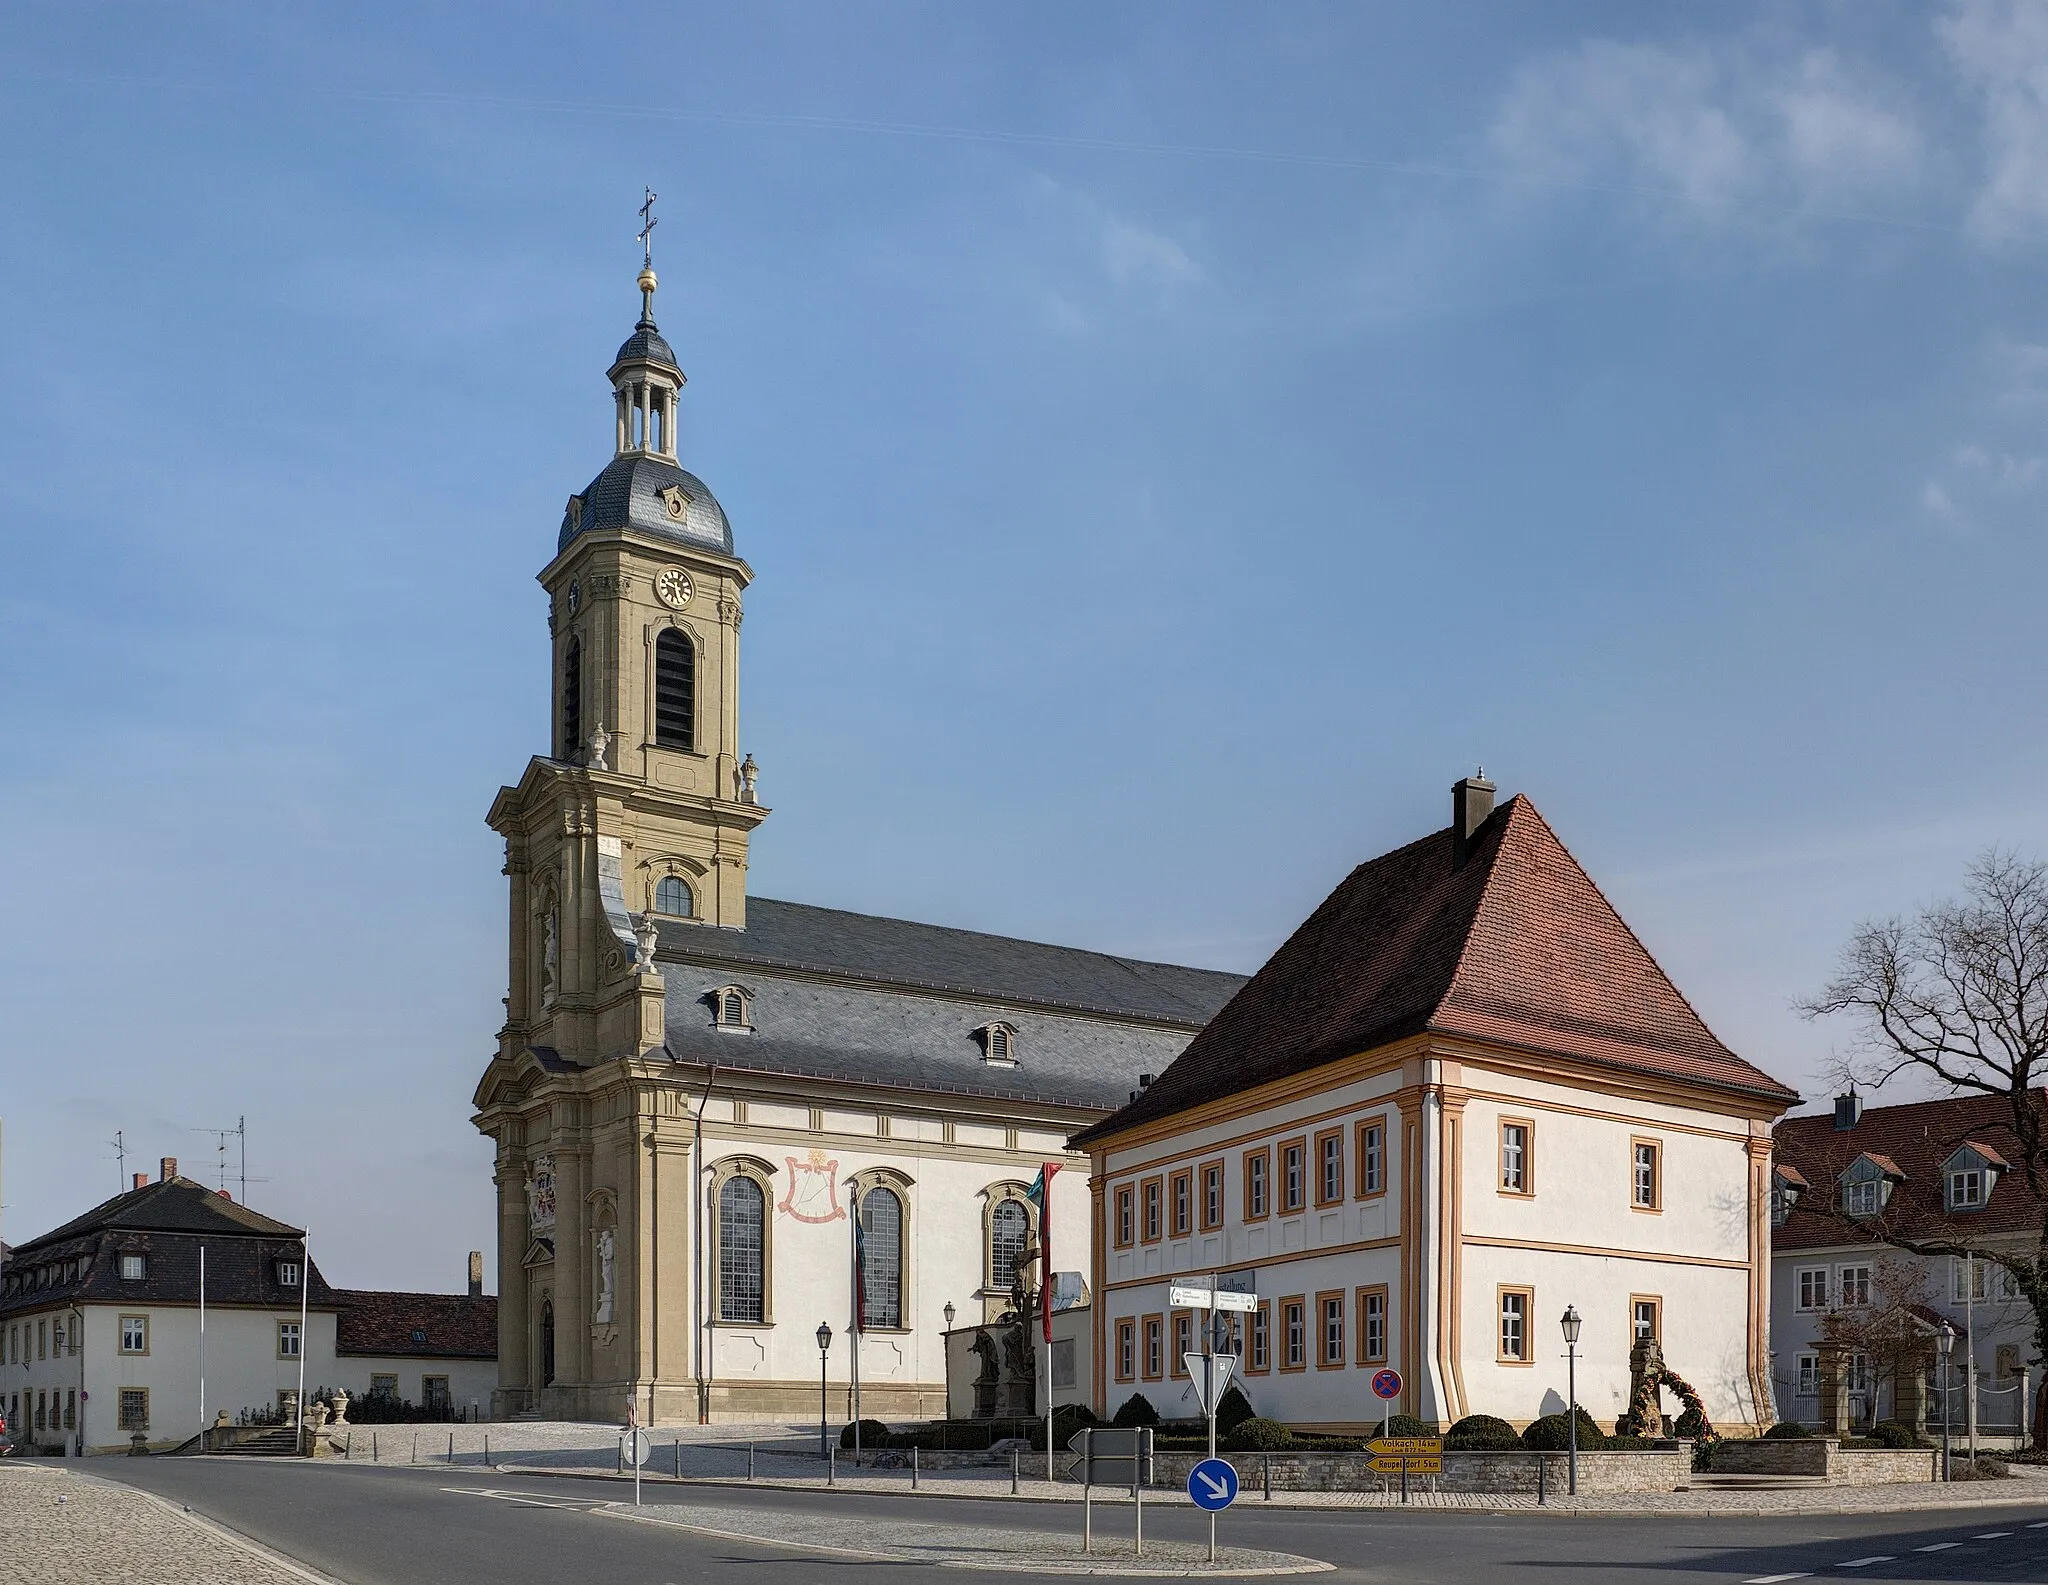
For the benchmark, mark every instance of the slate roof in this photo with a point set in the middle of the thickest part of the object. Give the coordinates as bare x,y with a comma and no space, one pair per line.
899,1005
425,1325
1914,1139
627,494
648,345
173,1205
1515,945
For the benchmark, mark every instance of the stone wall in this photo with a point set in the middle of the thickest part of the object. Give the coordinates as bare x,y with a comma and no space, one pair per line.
1825,1456
1657,1469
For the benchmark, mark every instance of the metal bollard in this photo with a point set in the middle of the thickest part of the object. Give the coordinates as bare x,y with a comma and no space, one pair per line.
1267,1459
373,1447
675,1457
1013,1472
415,1447
348,1448
451,1447
750,1459
913,1466
1542,1480
831,1466
487,1449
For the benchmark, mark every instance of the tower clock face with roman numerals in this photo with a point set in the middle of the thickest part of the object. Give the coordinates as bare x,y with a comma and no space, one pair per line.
672,587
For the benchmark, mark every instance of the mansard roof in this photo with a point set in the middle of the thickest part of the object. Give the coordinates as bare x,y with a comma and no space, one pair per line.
1508,942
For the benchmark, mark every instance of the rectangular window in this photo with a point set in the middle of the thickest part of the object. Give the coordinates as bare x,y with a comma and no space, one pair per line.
1152,1190
1966,1189
1293,1175
1127,1350
1515,1165
1257,1192
134,1409
1813,1288
1330,1167
1809,1376
1862,1196
1372,1326
1155,1347
42,1340
287,1273
1859,1377
71,1409
1126,1217
1212,1196
434,1394
383,1386
1979,1280
1259,1357
1854,1287
1183,1342
1645,1317
1515,1305
1372,1159
1183,1204
135,1334
133,1267
1330,1331
287,1340
1294,1333
1646,1188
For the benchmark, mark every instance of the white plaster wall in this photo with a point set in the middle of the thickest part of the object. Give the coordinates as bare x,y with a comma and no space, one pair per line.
469,1380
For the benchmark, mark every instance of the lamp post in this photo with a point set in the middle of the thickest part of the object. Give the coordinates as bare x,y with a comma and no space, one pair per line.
1946,1338
950,1312
1570,1322
824,1408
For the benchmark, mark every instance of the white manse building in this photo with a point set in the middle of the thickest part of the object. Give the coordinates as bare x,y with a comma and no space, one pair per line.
1460,1098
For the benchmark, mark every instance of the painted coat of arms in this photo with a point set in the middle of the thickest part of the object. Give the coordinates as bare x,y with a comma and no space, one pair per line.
813,1194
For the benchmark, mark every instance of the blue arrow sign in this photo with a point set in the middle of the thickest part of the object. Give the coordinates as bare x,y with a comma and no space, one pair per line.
1213,1484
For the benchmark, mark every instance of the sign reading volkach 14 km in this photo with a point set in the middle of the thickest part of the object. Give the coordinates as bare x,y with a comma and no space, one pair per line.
1418,1455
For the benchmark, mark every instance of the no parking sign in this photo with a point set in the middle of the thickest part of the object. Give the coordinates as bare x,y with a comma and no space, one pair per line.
1386,1384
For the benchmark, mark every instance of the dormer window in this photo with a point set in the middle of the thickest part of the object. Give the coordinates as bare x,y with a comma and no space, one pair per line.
134,1267
287,1273
672,896
732,1008
1867,1185
998,1044
1787,1184
1969,1175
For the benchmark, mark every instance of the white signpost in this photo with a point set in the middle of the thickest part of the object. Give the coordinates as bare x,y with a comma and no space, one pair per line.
1210,1371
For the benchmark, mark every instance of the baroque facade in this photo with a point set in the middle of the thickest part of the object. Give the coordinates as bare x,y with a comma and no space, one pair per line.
694,1089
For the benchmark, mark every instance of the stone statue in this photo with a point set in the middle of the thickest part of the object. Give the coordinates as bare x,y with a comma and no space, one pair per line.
550,954
984,1349
749,771
341,1406
646,937
600,740
604,1276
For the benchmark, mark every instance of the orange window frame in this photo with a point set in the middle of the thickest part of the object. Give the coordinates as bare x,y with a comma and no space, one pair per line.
1329,1183
1126,1216
1212,1172
1330,1307
1180,1202
1655,1205
1258,1184
1293,1314
1258,1340
1127,1349
1152,1345
1294,1194
1151,1210
1369,1157
1528,1188
1183,1336
1500,1296
1367,1354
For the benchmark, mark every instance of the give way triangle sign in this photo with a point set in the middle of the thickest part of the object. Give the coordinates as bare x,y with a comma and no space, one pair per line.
1210,1374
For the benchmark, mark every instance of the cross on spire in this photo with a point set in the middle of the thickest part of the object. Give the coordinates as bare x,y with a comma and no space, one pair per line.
646,234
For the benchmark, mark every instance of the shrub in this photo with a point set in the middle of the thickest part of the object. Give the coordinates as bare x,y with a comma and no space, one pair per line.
1693,1426
1259,1436
1788,1431
1135,1410
1482,1433
1232,1412
872,1434
1408,1425
1551,1434
1890,1433
1066,1420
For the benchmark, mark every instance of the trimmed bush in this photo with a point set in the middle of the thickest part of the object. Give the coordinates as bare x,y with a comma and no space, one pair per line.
1788,1431
1066,1420
1890,1433
1232,1412
1259,1436
1551,1434
1408,1425
1135,1410
1482,1433
873,1433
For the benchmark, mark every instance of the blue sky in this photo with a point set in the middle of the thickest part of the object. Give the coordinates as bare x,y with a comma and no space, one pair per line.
1173,444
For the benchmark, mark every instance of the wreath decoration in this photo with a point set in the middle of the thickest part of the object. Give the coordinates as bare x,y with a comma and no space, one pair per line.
1645,1413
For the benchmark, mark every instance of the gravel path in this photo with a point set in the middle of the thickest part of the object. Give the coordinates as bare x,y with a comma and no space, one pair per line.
69,1526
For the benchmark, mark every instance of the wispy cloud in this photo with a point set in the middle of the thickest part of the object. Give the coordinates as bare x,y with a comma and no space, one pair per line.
2000,49
1111,259
1975,478
1711,128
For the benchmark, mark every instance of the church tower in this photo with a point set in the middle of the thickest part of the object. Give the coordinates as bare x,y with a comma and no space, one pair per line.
641,810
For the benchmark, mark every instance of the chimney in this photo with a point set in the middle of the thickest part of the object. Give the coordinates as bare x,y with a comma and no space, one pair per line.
476,1273
1471,803
167,1168
141,1178
1848,1111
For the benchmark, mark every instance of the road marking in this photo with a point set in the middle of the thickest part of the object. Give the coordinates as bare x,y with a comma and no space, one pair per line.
1865,1562
1939,1546
1776,1579
1990,1535
2041,1525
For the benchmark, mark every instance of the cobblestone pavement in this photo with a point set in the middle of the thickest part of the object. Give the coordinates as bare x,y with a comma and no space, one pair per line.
972,1546
59,1525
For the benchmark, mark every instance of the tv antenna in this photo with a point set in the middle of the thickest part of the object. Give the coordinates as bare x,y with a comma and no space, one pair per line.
240,1134
121,1155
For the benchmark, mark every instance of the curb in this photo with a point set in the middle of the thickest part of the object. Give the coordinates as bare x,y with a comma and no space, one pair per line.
220,1532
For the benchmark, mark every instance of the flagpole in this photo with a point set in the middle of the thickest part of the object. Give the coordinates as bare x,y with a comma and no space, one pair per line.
859,1293
202,1347
1047,1170
305,1283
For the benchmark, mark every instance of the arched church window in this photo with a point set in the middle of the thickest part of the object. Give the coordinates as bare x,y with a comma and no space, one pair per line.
675,690
1009,1229
881,1258
672,896
742,1210
572,700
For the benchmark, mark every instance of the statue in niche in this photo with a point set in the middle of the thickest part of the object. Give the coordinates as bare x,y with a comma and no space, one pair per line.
550,954
604,1276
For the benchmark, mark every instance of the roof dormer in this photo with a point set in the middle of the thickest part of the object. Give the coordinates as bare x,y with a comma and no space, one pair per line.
998,1044
1867,1185
1969,1175
1787,1184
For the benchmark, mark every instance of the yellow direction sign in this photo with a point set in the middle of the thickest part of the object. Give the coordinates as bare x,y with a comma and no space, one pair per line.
1422,1464
1411,1447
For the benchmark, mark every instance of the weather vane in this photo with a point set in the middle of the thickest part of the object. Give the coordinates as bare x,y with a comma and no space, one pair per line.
647,225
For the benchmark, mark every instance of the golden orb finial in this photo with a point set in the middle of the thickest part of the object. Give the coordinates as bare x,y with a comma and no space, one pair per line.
647,280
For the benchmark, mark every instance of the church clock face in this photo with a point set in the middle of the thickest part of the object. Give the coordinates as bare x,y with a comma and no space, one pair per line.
672,587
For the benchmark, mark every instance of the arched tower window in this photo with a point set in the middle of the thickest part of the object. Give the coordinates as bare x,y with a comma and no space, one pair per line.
572,700
1009,1230
742,1270
675,690
881,1258
672,896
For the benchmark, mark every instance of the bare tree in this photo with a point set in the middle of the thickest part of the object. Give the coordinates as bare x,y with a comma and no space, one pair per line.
1958,994
1880,1322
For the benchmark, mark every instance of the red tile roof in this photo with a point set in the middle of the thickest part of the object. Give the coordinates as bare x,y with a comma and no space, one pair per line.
1913,1140
449,1325
1514,946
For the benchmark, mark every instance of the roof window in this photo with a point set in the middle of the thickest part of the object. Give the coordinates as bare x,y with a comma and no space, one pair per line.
732,1009
998,1044
134,1267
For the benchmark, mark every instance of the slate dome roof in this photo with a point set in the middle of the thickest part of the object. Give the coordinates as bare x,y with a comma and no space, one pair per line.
630,494
647,344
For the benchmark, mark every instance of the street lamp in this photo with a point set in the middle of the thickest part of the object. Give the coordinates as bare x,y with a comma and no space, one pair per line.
824,1344
1571,1323
949,1315
1946,1337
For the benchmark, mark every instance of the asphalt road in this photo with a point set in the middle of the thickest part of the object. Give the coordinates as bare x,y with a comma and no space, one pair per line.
429,1527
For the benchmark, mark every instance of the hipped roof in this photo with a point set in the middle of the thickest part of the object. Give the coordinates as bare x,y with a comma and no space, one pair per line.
1509,943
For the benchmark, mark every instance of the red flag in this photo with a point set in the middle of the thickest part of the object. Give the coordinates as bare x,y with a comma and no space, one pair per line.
1041,1195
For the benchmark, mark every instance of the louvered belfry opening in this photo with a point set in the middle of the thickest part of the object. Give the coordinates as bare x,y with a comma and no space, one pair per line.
572,701
675,691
